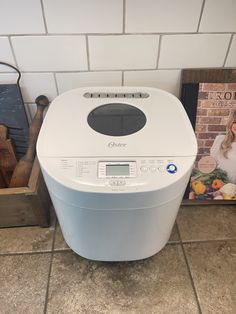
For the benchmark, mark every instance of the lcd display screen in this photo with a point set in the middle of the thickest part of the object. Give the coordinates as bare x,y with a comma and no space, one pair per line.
117,170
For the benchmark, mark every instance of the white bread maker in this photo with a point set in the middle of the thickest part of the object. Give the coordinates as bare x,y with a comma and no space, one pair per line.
116,161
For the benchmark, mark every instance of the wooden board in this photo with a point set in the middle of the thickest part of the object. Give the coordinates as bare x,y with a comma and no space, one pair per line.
7,156
13,115
26,206
3,183
208,76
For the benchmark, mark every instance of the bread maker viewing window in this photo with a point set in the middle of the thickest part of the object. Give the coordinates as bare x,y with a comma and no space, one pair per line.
116,119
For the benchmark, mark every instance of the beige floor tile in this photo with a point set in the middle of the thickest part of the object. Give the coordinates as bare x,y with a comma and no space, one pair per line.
53,216
174,237
213,267
26,239
60,243
23,283
159,284
213,222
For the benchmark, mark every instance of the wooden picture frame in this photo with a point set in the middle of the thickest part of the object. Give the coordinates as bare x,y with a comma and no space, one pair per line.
192,84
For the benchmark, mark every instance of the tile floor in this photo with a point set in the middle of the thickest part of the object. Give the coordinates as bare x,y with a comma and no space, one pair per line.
194,273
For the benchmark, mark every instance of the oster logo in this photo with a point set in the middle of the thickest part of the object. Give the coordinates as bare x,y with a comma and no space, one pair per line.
116,145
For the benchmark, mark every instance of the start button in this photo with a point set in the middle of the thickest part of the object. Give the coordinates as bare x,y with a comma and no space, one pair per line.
171,168
117,182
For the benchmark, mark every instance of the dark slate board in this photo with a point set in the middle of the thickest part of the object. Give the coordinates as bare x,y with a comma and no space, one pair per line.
13,115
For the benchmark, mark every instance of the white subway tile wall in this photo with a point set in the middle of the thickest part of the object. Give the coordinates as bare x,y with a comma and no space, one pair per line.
195,50
168,80
21,17
60,44
67,81
32,84
231,60
123,52
219,16
6,54
35,84
50,53
162,16
8,78
79,16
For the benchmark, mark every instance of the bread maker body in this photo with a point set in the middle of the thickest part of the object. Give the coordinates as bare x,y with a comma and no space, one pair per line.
116,161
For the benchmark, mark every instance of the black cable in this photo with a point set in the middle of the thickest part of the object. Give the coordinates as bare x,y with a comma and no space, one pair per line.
11,66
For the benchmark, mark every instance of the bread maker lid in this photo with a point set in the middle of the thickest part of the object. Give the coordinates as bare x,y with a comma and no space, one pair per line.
116,121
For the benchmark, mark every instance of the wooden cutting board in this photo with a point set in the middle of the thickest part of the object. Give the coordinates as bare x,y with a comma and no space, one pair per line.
8,159
13,115
2,181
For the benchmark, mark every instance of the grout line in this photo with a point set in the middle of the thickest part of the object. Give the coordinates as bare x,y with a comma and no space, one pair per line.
87,51
63,250
14,56
69,71
173,243
44,17
47,288
189,272
25,253
54,234
94,71
201,13
50,269
227,52
55,79
159,51
178,230
111,70
207,241
72,71
124,16
201,241
122,78
116,34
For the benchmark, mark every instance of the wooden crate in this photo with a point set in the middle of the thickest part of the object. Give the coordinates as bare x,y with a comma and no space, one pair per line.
26,206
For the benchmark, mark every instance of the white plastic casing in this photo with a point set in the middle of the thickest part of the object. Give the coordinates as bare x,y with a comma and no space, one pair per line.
121,217
66,133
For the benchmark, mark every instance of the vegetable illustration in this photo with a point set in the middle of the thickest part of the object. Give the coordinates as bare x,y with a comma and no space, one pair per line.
192,195
218,197
229,191
217,184
209,185
198,187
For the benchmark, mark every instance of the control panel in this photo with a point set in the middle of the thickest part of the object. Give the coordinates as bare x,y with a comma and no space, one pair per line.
118,174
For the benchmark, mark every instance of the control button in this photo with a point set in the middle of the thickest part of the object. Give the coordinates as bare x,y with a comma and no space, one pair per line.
153,169
121,182
161,168
117,182
171,168
112,183
144,169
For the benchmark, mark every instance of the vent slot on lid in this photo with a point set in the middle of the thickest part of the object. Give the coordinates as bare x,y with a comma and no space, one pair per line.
116,95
